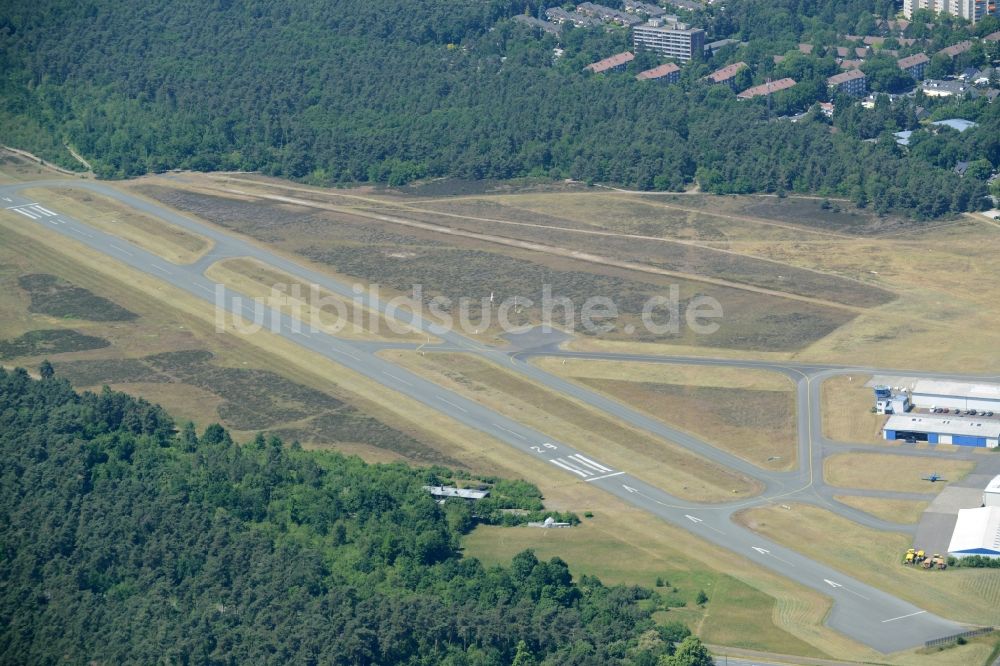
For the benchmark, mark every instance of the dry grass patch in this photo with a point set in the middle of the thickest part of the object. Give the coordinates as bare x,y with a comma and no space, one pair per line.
749,413
17,169
896,511
614,442
330,311
847,410
150,233
964,595
887,471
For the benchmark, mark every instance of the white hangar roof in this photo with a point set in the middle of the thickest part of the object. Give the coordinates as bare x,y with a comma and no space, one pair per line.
958,389
977,532
944,425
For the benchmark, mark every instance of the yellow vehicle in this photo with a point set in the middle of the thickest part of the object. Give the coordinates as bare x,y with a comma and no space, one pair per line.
910,556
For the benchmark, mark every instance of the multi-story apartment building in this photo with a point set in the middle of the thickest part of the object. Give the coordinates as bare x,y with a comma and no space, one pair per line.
673,40
970,10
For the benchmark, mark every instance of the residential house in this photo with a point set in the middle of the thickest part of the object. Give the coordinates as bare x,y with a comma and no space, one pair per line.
615,63
767,89
852,82
914,65
668,73
727,74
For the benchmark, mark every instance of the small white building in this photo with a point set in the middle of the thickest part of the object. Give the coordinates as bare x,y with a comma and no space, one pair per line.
991,494
977,532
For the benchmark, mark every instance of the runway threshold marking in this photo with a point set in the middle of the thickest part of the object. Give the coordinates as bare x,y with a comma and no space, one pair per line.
902,617
558,463
606,476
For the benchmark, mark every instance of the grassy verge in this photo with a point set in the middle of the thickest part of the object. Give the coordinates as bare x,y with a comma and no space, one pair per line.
330,311
847,415
965,595
886,471
660,462
749,413
896,511
151,234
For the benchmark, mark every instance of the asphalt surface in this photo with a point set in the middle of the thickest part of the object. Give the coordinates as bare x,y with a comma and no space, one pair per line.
859,610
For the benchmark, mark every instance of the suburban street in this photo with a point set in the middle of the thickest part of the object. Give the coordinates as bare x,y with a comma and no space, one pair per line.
860,611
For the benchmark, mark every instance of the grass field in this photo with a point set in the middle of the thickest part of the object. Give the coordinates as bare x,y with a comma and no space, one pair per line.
749,413
614,442
887,471
847,410
896,511
965,595
151,234
854,249
397,257
329,311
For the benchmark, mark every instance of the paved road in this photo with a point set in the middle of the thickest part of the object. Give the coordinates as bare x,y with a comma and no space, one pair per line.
860,611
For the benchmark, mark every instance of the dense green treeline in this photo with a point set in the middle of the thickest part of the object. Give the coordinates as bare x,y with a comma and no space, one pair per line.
354,91
126,541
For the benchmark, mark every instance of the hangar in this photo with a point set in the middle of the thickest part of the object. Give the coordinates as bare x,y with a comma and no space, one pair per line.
967,431
977,532
927,393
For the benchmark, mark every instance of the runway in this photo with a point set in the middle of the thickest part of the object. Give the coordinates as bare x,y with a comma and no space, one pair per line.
860,611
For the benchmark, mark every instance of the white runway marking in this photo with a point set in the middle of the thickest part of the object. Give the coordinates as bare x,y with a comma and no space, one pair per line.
558,462
203,287
606,476
43,211
451,404
122,250
161,269
20,205
398,379
24,212
893,619
590,463
508,430
6,198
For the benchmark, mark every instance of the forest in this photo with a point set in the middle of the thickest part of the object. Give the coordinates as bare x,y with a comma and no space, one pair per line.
353,91
127,539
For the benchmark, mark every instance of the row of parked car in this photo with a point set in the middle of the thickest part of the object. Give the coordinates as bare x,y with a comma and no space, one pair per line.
960,412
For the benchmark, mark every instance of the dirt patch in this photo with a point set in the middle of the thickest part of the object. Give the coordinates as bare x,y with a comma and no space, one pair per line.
49,341
58,298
